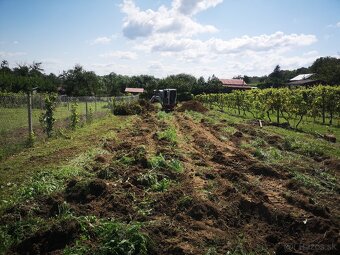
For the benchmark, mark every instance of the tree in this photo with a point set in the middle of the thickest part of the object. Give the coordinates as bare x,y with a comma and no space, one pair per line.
78,82
327,69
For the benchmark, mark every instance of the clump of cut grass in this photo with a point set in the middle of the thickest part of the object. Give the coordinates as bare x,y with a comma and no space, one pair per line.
14,232
161,185
159,161
126,160
168,134
152,180
118,238
185,201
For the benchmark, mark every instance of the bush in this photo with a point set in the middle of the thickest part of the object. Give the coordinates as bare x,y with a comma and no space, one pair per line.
127,108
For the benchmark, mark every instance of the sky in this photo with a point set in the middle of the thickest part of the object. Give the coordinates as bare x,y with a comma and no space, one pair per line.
163,37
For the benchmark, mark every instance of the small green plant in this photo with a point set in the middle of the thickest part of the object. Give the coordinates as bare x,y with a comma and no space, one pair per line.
159,161
126,160
41,184
175,165
118,238
151,180
75,119
64,210
89,116
169,135
14,232
148,179
260,154
47,118
161,185
185,201
211,251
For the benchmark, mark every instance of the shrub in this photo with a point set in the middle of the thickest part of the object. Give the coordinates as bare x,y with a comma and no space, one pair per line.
127,108
47,118
75,119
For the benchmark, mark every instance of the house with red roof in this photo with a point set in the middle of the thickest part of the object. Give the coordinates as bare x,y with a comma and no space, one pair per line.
235,84
134,90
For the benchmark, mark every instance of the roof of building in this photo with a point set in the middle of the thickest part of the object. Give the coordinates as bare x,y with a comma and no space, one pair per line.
302,77
235,83
304,82
134,90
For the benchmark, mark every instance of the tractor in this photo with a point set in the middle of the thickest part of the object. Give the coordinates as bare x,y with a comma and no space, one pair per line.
167,98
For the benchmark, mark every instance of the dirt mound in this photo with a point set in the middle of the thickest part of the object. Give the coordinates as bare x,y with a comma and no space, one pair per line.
333,164
55,238
260,169
85,191
203,210
192,106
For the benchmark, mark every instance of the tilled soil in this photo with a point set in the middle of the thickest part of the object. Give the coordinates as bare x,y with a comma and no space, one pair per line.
224,197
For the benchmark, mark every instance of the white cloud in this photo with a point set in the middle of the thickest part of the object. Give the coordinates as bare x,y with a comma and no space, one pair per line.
138,23
6,54
334,25
101,40
191,7
120,54
15,42
188,48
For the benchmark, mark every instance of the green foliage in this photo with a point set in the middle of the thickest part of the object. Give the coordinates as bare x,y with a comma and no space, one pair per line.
127,108
161,185
168,134
126,160
291,105
151,180
120,239
12,233
159,161
47,118
75,119
89,117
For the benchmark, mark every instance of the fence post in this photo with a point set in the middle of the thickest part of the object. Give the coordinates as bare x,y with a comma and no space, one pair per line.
86,110
29,108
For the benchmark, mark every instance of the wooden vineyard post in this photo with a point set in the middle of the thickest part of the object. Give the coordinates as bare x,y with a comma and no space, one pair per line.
86,110
29,111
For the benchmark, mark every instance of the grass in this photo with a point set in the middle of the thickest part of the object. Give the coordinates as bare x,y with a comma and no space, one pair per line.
159,161
47,182
17,117
112,238
14,133
56,152
169,134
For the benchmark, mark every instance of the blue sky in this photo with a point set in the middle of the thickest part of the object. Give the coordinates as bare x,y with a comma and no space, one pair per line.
163,37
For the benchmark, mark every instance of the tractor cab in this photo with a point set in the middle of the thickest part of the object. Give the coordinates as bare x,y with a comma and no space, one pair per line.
167,98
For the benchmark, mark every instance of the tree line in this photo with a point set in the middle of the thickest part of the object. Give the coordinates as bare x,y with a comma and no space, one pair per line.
80,82
326,69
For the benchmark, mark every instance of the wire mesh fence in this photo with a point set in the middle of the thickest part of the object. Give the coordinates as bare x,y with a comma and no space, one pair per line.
14,117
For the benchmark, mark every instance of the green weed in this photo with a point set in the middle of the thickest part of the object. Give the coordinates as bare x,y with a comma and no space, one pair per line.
161,185
118,238
168,134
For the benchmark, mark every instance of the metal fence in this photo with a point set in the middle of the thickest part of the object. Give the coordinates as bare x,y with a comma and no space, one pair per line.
14,114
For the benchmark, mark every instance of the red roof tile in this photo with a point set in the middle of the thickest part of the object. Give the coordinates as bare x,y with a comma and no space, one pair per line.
134,90
233,82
